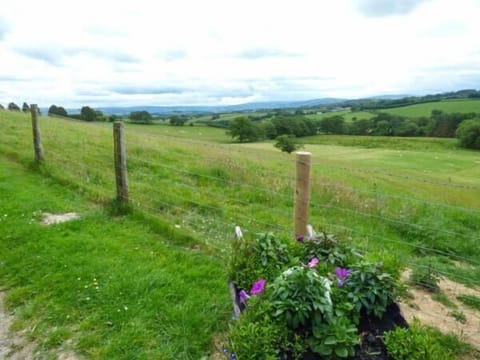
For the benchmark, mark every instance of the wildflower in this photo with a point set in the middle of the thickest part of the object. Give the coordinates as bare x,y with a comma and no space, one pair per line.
243,296
300,238
342,274
258,287
313,263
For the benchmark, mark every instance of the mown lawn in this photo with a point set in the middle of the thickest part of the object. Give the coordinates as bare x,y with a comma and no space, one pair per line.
112,284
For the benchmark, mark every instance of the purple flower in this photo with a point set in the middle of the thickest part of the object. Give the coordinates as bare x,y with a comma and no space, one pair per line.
342,274
300,238
313,263
258,286
243,296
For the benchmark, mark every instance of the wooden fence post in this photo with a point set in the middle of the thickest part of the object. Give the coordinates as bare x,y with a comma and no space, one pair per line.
37,139
302,193
120,157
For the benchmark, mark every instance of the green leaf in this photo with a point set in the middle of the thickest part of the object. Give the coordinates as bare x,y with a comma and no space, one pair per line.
330,340
322,350
278,312
341,352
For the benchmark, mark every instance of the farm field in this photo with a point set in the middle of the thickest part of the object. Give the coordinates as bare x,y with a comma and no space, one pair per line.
346,114
447,106
414,202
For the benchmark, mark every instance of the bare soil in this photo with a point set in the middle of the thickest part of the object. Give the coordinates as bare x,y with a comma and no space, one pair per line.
12,346
16,346
50,219
435,314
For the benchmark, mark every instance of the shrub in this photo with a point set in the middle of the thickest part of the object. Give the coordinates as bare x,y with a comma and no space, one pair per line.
369,288
263,257
301,297
468,134
326,248
415,343
255,335
286,144
335,338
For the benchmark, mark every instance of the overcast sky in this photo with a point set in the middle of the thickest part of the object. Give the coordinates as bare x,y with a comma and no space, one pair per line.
209,52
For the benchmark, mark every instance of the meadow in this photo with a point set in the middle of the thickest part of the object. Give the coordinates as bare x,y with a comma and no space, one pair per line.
346,114
447,106
406,202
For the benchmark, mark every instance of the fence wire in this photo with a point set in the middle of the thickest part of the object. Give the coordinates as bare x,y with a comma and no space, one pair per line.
183,196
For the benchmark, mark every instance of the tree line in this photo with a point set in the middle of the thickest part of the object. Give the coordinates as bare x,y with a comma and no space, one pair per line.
14,107
465,126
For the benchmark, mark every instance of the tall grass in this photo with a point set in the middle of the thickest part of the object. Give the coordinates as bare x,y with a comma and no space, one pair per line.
392,196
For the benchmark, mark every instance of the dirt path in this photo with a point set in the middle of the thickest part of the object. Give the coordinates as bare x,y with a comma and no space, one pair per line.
12,346
433,313
15,346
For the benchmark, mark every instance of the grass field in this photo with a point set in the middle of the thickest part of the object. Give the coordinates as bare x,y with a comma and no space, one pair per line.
117,288
231,116
414,202
346,114
448,106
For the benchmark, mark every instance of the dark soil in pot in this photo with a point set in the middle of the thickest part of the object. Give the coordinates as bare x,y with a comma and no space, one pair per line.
371,330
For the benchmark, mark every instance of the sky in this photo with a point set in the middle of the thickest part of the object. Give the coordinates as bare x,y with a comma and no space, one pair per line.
221,52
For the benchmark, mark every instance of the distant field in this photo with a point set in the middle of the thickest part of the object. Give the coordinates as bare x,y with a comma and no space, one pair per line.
347,115
370,142
231,116
197,132
448,106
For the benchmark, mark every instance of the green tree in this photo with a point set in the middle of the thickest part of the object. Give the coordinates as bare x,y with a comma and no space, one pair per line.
294,125
13,107
469,134
243,129
176,120
1,107
286,144
360,127
408,128
88,114
142,117
57,110
333,125
268,129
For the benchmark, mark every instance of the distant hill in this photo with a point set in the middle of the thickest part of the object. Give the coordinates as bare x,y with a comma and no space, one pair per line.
371,103
162,110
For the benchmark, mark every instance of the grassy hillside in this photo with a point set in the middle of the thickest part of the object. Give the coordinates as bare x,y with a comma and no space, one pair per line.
118,289
414,202
448,106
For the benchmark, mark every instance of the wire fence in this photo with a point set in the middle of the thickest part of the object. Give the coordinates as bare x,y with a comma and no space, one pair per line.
209,188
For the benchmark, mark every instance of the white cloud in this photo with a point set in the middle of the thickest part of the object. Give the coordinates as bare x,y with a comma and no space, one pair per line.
233,51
